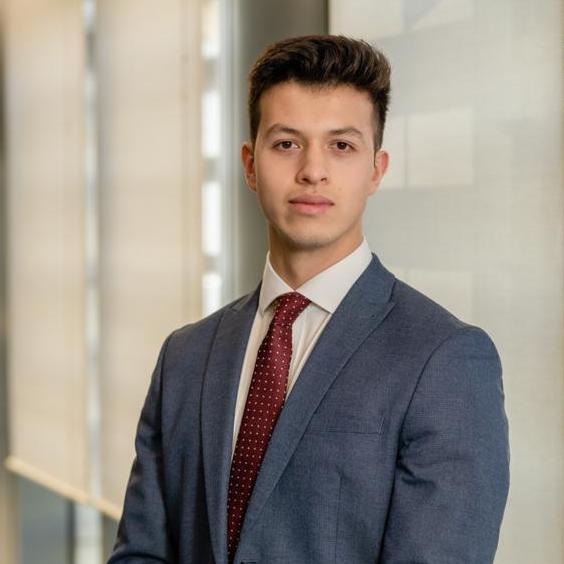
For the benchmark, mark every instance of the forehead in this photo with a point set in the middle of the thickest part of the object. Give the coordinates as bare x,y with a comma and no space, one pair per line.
298,105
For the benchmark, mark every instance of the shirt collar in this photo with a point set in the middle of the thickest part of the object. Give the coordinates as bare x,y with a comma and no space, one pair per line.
325,289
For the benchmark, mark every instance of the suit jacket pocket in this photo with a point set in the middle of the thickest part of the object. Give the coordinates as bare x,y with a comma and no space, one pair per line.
346,423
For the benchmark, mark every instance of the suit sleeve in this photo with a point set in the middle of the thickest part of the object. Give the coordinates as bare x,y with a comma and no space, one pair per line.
452,472
142,536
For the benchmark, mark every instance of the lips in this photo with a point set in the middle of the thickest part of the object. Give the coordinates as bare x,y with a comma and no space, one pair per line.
310,204
312,199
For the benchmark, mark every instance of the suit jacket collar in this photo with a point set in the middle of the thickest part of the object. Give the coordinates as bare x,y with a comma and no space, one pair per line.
364,307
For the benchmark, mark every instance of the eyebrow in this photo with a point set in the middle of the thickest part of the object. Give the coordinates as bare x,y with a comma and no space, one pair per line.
348,131
280,128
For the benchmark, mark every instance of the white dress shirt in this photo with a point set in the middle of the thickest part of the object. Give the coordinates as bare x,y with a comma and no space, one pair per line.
325,291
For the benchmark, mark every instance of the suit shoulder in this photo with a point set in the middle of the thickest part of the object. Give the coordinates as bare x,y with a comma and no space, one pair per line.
417,306
421,316
203,330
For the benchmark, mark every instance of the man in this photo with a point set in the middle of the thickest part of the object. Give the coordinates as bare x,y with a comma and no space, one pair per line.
333,415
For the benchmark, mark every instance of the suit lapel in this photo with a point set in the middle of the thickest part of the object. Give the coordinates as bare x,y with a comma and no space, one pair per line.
364,307
219,395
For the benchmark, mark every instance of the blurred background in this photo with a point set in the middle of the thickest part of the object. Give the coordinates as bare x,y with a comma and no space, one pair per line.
124,215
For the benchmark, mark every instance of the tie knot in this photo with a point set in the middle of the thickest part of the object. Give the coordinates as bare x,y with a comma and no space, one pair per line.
289,306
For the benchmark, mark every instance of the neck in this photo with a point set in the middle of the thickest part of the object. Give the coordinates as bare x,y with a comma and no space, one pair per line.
296,265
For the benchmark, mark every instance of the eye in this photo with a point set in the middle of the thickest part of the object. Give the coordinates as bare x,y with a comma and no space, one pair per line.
343,146
284,145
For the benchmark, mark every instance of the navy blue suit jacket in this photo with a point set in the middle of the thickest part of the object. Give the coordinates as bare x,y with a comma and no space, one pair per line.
391,448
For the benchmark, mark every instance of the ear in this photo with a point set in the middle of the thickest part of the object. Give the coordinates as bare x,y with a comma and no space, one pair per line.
248,159
381,161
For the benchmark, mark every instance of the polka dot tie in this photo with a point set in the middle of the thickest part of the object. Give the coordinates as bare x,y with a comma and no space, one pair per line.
267,394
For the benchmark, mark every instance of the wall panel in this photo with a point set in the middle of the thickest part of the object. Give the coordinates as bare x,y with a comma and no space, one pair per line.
148,68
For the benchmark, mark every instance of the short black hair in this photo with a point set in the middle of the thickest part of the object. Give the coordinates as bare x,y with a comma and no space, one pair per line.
324,61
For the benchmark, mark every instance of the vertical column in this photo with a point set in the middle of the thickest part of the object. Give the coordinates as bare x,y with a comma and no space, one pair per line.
150,257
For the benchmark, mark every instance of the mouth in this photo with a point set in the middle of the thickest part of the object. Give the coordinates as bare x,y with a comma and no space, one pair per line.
310,205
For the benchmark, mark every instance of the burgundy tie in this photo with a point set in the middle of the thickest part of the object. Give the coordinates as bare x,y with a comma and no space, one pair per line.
264,404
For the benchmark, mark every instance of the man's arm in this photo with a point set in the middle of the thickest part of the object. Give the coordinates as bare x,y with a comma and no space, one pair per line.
452,473
142,533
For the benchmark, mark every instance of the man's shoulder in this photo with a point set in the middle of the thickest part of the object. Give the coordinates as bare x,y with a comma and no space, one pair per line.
411,310
416,305
203,330
421,319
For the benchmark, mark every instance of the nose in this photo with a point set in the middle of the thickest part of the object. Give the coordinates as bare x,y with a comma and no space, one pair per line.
313,168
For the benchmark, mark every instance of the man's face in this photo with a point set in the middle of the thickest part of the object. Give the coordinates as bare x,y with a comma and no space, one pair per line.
314,166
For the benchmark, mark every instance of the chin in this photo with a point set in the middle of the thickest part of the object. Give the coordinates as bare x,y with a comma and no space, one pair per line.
307,241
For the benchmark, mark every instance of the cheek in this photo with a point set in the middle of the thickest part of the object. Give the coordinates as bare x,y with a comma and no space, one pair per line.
353,171
273,181
352,182
269,195
274,170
